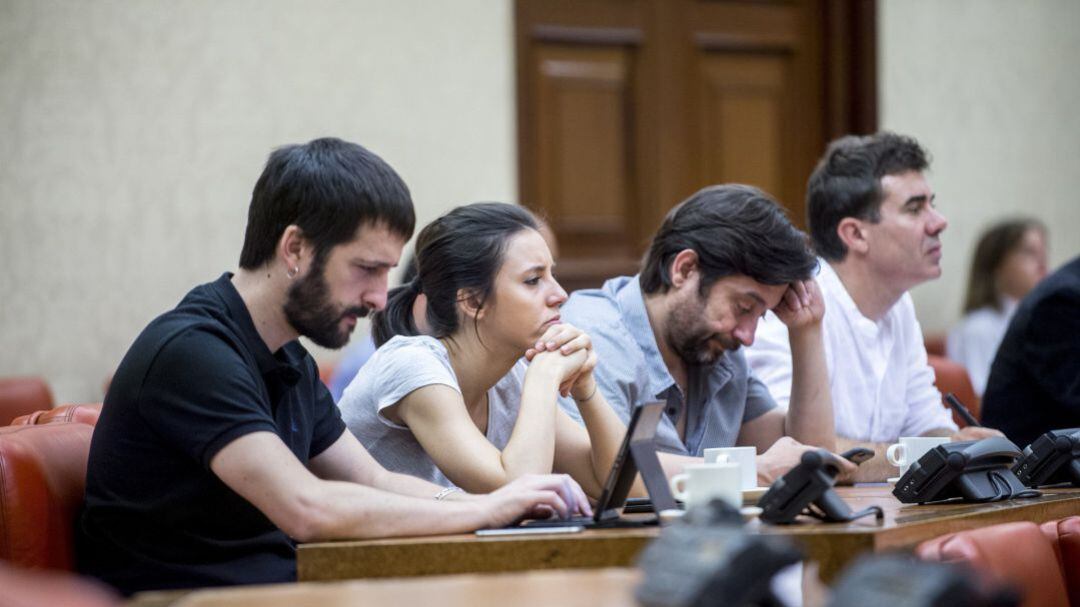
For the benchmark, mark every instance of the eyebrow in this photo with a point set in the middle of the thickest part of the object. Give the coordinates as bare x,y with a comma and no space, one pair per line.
372,263
756,298
919,198
536,268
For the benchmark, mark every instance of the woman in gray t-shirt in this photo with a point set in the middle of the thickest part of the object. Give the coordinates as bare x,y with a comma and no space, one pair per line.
459,406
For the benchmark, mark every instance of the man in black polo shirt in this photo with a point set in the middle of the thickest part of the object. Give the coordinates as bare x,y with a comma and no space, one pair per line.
1034,383
218,447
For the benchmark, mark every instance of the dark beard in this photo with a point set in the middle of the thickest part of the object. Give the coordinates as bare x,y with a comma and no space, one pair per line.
309,310
692,344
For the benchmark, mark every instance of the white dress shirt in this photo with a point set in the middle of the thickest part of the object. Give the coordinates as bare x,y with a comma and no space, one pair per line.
975,340
882,387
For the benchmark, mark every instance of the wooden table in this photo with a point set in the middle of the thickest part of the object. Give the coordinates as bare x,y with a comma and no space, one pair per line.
583,587
832,545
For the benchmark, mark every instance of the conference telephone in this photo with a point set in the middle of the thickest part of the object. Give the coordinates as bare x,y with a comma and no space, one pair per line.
974,471
1051,459
808,489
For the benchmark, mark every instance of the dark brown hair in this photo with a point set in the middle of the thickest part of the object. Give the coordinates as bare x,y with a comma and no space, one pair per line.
994,246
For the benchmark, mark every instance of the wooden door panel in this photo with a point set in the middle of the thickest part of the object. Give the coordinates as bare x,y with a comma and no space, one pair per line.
741,120
584,148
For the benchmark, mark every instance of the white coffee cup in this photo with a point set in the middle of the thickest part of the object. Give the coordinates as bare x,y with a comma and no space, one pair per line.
910,448
701,483
746,457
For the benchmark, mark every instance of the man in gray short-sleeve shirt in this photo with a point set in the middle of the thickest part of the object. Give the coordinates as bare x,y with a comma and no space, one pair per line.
673,332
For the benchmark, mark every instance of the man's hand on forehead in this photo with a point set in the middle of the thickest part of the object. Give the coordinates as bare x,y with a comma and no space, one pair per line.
801,305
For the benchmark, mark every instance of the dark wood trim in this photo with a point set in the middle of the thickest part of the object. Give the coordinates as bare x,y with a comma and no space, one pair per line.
851,94
588,35
728,41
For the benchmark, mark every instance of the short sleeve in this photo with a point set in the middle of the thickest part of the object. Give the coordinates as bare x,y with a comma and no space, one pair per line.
758,399
199,395
400,367
328,423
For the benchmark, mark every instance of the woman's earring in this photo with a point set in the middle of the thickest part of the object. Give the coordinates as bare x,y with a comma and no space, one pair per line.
293,272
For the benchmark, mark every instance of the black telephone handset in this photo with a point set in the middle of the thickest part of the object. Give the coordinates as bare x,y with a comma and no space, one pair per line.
1051,459
808,489
975,471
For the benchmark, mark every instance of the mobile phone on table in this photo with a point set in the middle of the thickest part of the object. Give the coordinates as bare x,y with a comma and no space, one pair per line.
529,530
857,455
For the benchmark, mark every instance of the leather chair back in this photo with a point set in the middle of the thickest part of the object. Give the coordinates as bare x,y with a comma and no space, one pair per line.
42,480
1015,553
951,376
1065,536
21,396
935,344
83,414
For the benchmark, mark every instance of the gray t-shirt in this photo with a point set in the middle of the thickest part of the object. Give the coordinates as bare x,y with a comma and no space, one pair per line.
400,366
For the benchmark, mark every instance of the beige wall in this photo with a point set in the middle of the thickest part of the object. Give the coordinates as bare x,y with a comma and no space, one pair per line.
131,133
991,88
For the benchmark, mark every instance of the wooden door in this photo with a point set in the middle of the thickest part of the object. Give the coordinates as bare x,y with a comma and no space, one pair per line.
625,107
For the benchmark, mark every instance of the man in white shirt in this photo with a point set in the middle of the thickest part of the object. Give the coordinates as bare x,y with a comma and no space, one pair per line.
874,224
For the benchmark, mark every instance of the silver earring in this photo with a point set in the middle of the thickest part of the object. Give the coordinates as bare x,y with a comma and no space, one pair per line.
293,272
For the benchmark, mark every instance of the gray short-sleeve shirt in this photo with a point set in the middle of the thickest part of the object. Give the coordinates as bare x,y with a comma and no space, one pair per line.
400,366
631,372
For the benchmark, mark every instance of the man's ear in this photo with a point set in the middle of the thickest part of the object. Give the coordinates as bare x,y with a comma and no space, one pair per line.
852,232
294,250
684,267
470,304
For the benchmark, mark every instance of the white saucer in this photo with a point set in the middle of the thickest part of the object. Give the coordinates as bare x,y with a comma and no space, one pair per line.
893,480
750,512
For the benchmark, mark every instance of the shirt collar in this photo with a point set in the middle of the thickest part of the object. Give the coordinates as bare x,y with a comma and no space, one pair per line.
282,365
631,302
830,283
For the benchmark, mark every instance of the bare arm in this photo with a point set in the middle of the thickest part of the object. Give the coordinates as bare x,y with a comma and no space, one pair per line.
261,469
874,470
588,453
441,423
810,414
347,460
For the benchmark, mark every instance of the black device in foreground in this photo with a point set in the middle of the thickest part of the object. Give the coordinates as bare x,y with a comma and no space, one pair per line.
808,489
701,563
1051,459
975,471
637,454
899,580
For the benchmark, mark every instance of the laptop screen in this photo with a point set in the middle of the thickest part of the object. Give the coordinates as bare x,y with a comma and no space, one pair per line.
637,453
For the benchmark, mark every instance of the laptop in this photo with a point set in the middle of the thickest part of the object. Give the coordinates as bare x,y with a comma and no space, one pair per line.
637,454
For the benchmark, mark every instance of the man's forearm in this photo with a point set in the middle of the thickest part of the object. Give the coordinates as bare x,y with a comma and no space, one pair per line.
405,484
342,510
874,470
810,414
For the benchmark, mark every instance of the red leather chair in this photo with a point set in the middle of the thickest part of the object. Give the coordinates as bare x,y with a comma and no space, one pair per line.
935,344
951,376
42,480
26,587
21,396
1065,536
83,414
1015,553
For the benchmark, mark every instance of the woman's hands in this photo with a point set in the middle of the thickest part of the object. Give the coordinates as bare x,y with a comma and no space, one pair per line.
569,351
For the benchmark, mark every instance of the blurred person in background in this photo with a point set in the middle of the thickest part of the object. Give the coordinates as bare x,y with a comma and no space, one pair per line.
1010,259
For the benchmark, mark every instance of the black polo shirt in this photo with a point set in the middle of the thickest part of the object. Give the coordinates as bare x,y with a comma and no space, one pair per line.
1034,383
196,379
